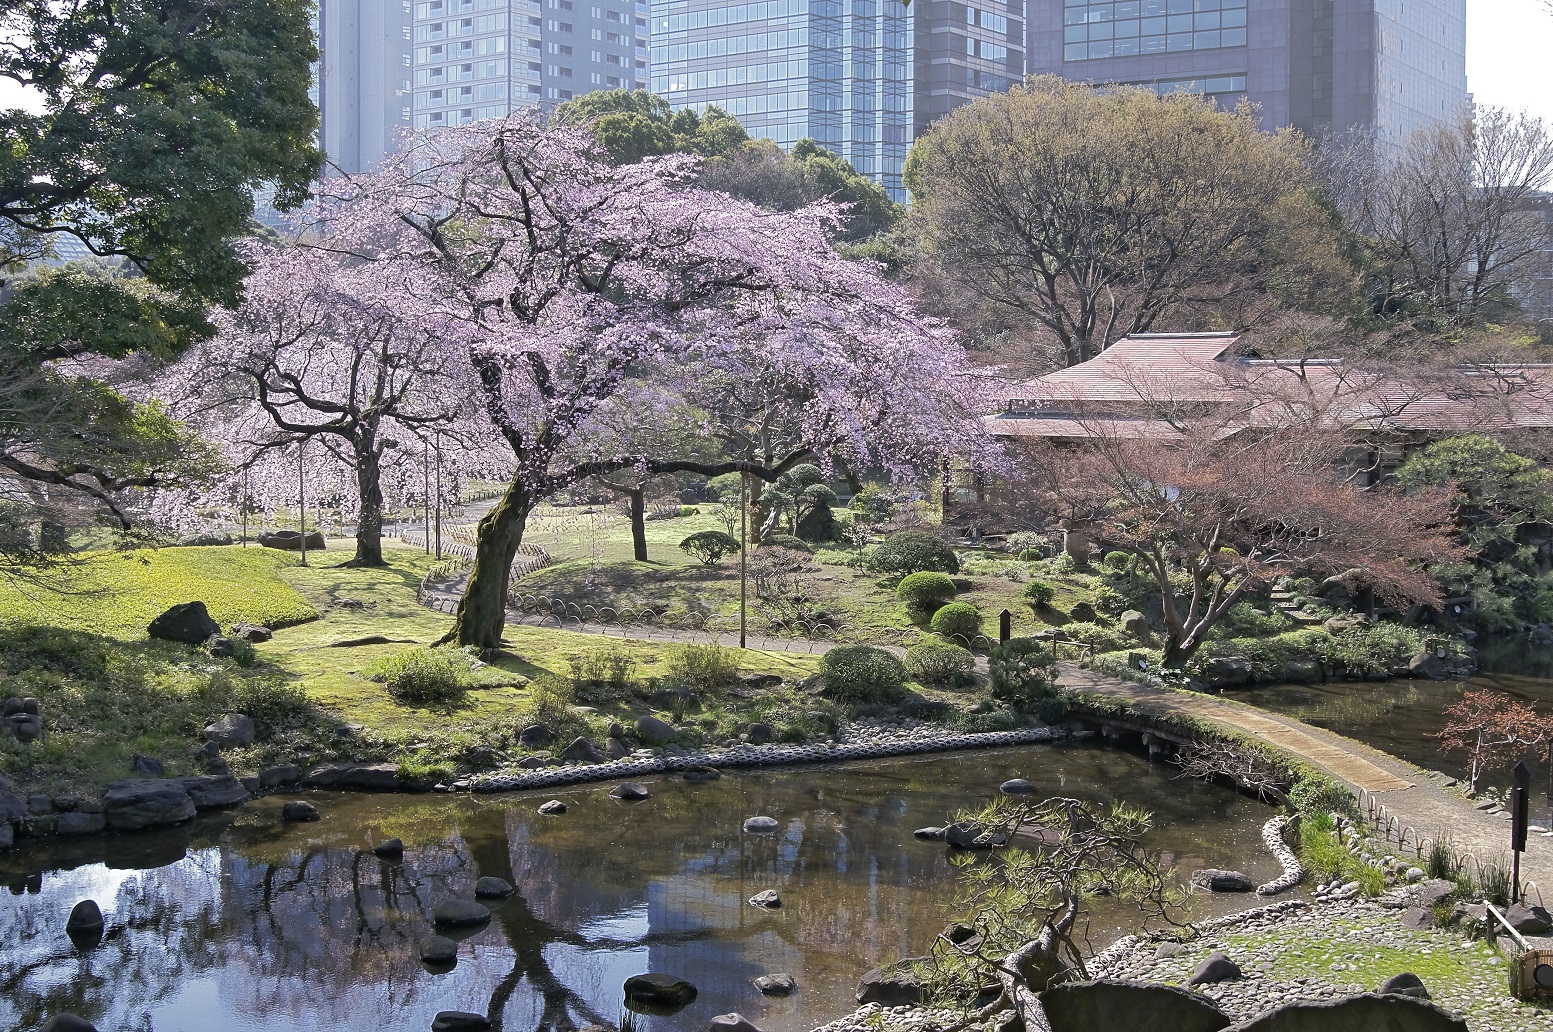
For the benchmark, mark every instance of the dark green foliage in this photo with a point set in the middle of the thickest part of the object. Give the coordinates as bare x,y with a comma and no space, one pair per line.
1102,639
925,591
709,667
957,619
871,505
862,673
709,546
1501,498
1021,671
939,663
784,541
1039,594
1116,561
804,500
1318,794
603,675
1030,555
423,675
910,551
634,124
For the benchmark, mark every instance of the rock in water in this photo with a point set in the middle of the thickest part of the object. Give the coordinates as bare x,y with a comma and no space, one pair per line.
929,834
761,825
1215,880
298,810
459,1021
86,916
1405,984
438,950
1016,786
552,808
68,1023
629,790
460,913
661,989
389,849
132,805
188,622
732,1023
493,888
890,986
1217,968
768,899
780,984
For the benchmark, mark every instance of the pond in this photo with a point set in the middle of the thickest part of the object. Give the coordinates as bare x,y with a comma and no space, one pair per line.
248,923
1397,716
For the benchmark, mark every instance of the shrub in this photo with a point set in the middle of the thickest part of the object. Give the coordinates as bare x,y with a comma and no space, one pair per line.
1246,618
862,673
709,546
704,666
926,590
1117,561
423,675
687,510
1022,541
1101,639
1030,555
1020,671
957,618
911,551
602,675
1039,594
785,541
1312,795
939,663
837,557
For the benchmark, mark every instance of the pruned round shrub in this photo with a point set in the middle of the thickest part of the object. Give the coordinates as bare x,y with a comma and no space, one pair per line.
1117,561
423,675
939,663
709,546
1030,555
1021,671
862,673
957,618
911,551
797,544
926,590
1039,594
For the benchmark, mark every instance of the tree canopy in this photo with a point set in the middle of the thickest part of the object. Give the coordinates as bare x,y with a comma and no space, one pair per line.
1095,214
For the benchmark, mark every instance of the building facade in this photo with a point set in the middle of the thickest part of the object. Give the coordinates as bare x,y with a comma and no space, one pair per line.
1389,65
476,59
861,77
361,84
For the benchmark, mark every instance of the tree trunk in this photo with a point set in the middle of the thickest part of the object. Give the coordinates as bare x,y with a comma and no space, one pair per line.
369,522
637,496
482,612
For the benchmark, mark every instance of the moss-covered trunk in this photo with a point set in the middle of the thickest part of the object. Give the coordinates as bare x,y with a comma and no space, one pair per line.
482,612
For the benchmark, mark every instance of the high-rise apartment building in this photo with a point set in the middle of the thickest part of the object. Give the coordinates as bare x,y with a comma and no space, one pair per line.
361,83
861,77
1389,65
476,59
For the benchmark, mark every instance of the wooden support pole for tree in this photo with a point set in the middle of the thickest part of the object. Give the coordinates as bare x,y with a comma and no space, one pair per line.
744,553
301,503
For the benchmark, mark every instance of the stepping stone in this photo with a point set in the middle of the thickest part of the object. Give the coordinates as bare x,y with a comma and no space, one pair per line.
761,825
781,984
552,808
457,913
439,950
493,888
630,791
768,899
390,849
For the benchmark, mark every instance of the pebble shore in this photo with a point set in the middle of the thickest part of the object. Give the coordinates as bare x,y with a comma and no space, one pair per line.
1290,951
857,741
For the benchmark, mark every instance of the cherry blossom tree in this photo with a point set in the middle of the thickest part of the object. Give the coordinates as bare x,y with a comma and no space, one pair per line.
577,283
332,350
1494,729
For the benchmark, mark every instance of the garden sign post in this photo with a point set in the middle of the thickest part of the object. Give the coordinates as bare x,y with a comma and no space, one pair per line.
1518,823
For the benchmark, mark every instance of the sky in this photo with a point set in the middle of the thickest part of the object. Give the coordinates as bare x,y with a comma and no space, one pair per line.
1509,57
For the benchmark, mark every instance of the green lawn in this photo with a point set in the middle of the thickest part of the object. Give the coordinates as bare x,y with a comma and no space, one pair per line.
117,594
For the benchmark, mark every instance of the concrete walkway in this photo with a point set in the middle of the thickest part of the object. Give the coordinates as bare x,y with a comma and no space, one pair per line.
1414,800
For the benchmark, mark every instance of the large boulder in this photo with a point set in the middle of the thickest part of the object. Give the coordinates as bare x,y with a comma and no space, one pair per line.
535,736
654,731
1428,666
298,811
1528,919
1227,671
234,730
890,986
1134,1006
582,751
291,540
1216,968
1404,984
188,622
214,791
376,777
79,822
85,916
1363,1013
279,775
659,990
1134,623
143,803
1215,880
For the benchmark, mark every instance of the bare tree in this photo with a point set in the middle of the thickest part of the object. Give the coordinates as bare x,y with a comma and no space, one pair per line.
1097,214
1451,218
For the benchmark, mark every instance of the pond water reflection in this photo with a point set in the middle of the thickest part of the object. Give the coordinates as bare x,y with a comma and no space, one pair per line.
245,922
